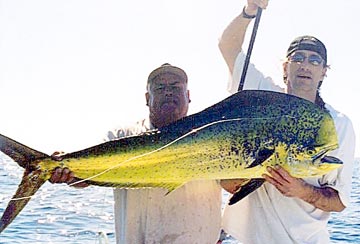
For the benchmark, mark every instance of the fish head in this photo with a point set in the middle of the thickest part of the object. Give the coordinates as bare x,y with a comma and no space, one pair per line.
313,159
326,138
326,141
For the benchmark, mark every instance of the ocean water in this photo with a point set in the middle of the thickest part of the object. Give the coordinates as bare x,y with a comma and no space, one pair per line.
62,214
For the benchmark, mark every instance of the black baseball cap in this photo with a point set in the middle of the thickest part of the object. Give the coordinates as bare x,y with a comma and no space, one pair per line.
309,43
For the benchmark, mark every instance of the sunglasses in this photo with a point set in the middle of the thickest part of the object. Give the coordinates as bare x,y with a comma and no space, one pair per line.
299,57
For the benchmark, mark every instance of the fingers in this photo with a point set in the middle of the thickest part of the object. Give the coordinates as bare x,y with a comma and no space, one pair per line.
258,3
78,185
271,180
253,5
280,174
62,175
262,3
56,175
57,155
278,177
288,185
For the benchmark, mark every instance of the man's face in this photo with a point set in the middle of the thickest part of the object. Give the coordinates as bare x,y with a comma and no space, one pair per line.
304,70
168,99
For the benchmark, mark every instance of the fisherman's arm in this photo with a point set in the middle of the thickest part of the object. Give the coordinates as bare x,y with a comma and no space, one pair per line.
324,198
232,38
230,45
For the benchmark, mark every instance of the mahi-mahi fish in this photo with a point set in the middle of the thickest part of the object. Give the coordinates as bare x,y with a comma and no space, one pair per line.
235,138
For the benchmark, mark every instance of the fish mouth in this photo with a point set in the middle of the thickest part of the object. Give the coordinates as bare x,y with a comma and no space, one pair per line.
326,158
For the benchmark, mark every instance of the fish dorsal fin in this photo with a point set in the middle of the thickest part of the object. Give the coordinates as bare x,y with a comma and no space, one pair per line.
19,152
245,190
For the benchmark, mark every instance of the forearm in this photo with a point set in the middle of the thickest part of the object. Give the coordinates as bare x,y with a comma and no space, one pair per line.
232,40
324,198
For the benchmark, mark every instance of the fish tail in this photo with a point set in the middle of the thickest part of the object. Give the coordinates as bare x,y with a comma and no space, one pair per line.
21,154
29,185
32,180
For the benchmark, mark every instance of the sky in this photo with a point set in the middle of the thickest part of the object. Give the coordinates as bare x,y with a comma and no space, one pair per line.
70,70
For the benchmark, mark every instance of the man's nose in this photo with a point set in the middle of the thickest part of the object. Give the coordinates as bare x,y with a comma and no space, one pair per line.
306,62
306,65
168,90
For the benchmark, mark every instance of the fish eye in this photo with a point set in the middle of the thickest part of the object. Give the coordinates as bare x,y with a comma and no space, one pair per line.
311,152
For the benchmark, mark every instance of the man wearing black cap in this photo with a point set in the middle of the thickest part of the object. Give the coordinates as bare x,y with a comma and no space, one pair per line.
287,209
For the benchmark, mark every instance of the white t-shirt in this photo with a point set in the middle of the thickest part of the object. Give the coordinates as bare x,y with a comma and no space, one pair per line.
266,216
190,214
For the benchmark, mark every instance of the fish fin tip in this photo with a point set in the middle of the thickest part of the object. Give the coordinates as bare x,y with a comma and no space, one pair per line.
20,153
30,183
172,187
245,190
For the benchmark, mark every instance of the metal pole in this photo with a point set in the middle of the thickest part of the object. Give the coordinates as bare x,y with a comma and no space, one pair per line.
251,44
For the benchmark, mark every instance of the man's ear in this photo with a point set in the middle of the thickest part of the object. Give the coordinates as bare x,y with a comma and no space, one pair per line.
324,72
285,67
188,95
147,97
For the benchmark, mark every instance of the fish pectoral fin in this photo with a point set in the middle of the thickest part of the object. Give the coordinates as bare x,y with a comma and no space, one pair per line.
245,190
261,156
29,185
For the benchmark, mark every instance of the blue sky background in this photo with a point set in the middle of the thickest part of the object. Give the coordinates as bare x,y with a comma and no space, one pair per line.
72,69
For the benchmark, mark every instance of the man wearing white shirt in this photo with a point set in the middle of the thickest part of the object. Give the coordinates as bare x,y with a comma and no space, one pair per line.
190,214
287,209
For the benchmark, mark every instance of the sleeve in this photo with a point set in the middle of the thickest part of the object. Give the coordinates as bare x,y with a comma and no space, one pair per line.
123,131
341,179
254,79
116,134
